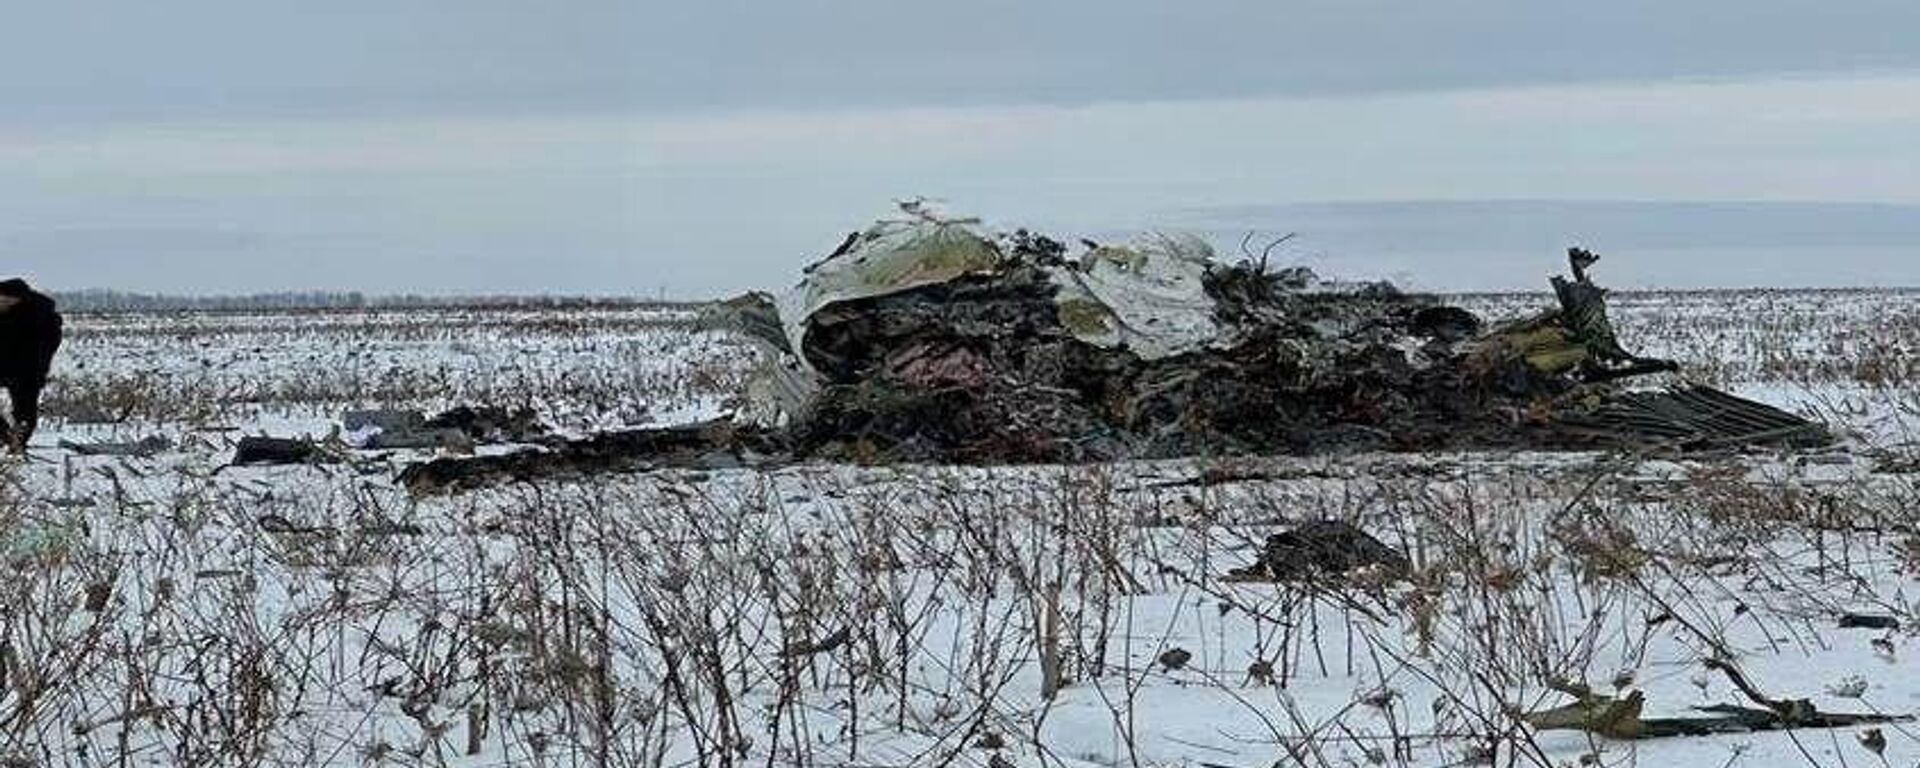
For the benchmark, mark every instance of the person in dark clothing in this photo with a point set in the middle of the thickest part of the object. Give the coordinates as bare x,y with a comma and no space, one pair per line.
29,335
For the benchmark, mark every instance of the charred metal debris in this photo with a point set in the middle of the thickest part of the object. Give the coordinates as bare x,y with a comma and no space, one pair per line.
930,339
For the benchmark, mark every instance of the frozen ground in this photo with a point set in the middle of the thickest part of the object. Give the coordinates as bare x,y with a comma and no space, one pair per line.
167,610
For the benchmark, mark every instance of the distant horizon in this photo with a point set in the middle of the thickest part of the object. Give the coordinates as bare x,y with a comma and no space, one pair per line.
1459,246
403,301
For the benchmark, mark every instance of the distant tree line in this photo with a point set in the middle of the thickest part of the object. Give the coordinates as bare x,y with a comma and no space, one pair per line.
108,301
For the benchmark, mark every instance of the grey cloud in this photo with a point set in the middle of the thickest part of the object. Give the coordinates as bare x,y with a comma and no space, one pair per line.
85,60
704,147
813,53
92,60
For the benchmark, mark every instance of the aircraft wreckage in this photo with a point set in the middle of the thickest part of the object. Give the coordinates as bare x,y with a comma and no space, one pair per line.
931,339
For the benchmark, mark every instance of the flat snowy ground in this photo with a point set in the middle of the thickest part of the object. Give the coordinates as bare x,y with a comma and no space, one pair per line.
170,610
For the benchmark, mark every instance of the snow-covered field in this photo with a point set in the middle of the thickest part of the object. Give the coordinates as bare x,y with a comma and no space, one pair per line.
171,610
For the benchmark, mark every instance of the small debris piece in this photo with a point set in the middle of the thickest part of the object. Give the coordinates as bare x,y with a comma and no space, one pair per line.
490,424
1604,715
1620,718
1875,741
825,645
708,445
1260,673
143,448
1323,548
459,429
377,528
1902,462
1444,323
274,523
98,593
1868,621
383,419
253,451
1850,687
420,438
752,315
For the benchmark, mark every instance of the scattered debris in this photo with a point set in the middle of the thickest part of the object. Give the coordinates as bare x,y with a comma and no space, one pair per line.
707,445
1323,548
490,424
144,448
459,429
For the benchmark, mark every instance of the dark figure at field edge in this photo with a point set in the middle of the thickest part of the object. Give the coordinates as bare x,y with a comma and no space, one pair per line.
29,335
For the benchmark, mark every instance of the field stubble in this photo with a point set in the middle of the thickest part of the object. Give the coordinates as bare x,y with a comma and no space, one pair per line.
169,610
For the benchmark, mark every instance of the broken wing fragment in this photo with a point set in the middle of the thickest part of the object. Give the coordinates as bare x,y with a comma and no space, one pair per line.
1696,418
1623,718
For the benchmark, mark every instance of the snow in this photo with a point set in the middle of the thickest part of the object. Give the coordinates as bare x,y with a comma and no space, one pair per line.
572,621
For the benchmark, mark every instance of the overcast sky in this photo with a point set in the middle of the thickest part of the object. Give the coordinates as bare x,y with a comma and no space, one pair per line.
693,149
